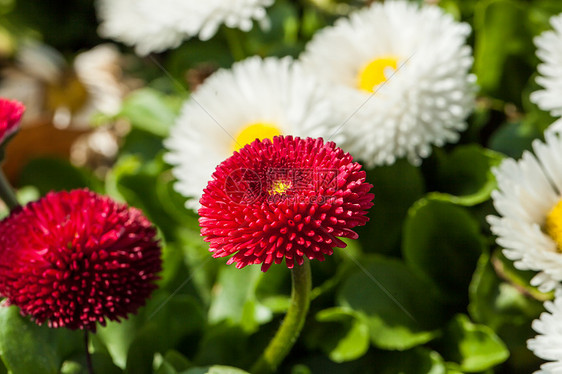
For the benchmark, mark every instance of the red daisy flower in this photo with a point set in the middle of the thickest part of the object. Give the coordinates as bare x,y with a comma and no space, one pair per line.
76,258
10,116
287,198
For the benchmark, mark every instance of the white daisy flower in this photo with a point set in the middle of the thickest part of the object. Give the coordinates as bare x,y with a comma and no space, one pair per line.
69,94
255,99
400,78
157,25
528,200
549,51
548,344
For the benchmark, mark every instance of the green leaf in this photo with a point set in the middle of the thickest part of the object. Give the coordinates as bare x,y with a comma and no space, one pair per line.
396,188
496,302
344,336
151,111
224,343
512,138
502,44
173,362
101,363
442,243
27,348
393,301
216,369
504,303
117,337
135,181
168,319
415,361
235,298
273,289
52,174
473,347
465,176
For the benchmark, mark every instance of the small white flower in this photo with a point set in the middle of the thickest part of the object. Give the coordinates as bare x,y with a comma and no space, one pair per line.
157,25
255,99
399,75
528,201
549,51
68,94
548,344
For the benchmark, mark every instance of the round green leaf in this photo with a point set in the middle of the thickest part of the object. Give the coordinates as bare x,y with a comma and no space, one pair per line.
215,369
27,348
473,347
495,302
464,177
396,188
501,46
393,301
52,174
415,361
442,243
345,337
235,298
151,111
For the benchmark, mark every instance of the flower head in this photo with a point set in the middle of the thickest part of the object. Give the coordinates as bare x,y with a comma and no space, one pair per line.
547,345
154,26
400,79
65,94
286,198
10,117
550,78
257,98
75,258
528,200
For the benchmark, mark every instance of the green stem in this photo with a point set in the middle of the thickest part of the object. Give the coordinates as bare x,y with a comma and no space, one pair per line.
293,323
6,192
89,365
234,43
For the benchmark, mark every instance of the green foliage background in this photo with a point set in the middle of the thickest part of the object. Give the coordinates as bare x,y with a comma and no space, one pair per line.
425,288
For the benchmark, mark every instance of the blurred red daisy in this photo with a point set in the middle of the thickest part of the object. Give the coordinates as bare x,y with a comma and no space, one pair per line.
10,116
75,258
286,198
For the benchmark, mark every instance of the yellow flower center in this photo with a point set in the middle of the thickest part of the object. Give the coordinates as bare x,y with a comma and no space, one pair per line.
553,225
376,72
279,187
68,92
260,130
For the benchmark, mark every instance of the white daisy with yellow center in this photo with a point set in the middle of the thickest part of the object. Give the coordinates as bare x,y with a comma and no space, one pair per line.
399,75
528,200
549,51
256,99
157,25
548,343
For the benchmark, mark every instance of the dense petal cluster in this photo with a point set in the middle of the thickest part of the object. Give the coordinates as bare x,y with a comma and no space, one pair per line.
75,259
548,344
271,91
10,117
528,192
286,198
550,69
399,81
154,25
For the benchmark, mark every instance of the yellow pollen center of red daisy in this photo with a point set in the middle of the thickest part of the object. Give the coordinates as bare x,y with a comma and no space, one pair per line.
259,130
279,187
553,225
376,72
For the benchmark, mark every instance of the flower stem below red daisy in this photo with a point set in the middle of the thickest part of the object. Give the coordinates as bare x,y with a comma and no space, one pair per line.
88,355
293,323
7,193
